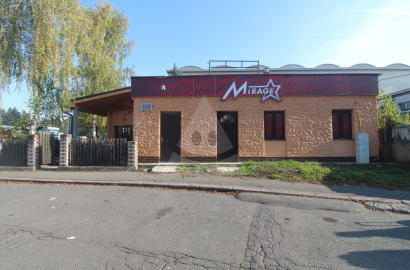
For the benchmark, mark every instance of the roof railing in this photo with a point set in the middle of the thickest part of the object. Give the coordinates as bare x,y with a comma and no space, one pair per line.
224,64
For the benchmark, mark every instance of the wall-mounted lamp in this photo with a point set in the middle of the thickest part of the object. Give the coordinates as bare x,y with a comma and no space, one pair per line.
163,87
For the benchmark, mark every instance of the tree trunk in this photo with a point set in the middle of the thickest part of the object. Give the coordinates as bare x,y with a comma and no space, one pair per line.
94,127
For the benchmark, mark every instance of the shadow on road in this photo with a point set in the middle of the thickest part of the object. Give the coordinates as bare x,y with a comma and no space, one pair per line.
402,232
371,192
380,259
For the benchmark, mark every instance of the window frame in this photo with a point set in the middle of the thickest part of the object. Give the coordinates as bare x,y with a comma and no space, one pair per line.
404,106
120,134
273,137
340,119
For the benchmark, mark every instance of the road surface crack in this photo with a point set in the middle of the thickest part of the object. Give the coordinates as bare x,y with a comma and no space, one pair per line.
151,260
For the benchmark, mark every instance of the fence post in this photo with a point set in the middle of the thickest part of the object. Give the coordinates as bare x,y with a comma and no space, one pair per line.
65,140
133,155
388,141
32,151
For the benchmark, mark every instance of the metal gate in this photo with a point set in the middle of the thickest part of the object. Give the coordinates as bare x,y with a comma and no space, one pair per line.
47,147
13,152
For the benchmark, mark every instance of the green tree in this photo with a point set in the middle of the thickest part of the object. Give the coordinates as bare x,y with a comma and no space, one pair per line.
51,46
175,71
10,116
18,128
37,47
389,112
388,116
101,56
2,113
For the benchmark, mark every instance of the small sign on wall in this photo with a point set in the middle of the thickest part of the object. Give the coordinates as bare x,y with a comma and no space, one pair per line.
146,107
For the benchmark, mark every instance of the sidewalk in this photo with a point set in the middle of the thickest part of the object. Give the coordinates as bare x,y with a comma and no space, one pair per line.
375,198
210,182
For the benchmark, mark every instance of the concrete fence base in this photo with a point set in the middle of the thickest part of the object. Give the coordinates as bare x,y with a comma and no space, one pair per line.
400,143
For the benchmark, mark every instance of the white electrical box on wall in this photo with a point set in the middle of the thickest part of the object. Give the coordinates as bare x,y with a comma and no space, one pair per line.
362,148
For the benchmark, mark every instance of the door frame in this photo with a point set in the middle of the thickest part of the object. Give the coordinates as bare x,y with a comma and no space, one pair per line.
168,148
233,140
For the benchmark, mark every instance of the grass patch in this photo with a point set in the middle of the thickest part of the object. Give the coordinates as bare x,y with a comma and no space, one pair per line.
393,176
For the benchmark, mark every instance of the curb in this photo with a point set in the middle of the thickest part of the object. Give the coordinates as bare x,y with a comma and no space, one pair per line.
95,168
202,187
17,168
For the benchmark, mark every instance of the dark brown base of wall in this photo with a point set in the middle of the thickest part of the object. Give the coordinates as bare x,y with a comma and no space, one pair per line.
198,159
148,159
241,159
183,159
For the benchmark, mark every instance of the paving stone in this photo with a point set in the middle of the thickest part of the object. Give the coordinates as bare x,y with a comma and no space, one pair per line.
164,169
395,207
228,169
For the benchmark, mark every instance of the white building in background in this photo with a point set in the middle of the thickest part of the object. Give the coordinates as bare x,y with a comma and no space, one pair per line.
402,99
394,79
54,130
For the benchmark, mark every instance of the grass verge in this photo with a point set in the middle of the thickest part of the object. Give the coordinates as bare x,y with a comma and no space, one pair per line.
392,176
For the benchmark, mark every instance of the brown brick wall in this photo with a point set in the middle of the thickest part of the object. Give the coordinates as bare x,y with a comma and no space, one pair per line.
308,123
116,118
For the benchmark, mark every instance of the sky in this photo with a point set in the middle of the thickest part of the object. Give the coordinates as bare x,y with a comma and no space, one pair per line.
277,33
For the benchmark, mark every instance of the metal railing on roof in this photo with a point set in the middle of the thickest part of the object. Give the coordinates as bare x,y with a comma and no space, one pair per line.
224,64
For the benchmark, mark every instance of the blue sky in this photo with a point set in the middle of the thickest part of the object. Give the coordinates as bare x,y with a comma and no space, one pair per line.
276,33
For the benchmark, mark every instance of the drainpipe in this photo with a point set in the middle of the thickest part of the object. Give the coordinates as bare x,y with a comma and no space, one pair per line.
75,123
71,122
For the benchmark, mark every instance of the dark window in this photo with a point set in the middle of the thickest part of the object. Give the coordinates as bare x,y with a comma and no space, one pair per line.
124,132
405,106
274,125
342,124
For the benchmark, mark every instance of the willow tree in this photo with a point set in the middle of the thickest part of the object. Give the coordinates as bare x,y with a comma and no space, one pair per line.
37,48
51,46
102,53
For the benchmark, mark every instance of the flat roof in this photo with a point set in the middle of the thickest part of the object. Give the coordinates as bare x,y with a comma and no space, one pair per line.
401,92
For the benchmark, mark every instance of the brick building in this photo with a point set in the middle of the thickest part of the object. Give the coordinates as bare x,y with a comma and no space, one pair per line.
238,117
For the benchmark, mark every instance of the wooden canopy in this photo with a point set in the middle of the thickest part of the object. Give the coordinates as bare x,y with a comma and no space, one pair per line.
100,103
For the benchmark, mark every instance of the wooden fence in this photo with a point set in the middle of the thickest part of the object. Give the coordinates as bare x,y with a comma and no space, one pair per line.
13,152
89,152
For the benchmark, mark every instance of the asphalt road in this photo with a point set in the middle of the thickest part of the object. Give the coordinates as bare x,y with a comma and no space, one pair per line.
97,227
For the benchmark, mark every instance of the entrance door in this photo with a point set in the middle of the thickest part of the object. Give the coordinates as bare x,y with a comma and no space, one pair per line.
170,137
227,136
